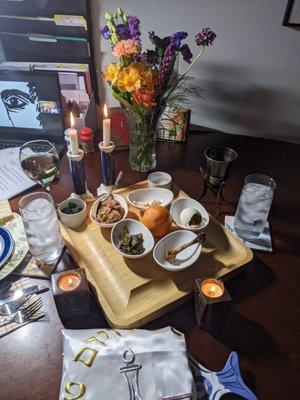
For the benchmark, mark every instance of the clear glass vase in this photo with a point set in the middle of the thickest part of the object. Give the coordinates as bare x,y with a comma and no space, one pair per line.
142,139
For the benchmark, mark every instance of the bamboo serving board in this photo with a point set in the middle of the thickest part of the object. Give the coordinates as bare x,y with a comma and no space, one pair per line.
132,292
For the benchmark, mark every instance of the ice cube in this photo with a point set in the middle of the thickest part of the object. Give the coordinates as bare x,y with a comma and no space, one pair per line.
37,209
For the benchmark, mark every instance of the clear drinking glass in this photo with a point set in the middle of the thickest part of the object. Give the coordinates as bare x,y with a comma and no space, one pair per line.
41,226
254,205
40,161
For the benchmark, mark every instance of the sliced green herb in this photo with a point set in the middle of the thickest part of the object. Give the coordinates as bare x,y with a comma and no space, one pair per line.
131,244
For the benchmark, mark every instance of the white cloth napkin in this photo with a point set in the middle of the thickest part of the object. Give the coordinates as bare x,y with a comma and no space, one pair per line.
126,365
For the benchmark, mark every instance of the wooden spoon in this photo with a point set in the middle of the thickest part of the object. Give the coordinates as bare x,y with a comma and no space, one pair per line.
171,254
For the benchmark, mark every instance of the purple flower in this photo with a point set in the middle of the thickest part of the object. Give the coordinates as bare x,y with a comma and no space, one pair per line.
205,37
123,31
159,42
186,53
149,57
105,32
178,37
134,27
166,62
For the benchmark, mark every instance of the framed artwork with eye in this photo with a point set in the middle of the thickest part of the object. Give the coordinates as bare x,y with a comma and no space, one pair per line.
30,106
19,105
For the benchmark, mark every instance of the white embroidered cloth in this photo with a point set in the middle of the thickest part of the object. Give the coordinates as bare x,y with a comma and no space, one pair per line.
118,364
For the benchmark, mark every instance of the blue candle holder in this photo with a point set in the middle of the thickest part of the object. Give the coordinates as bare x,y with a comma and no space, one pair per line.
107,167
78,174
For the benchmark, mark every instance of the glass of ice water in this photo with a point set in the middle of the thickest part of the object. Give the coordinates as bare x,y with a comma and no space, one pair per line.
254,206
41,226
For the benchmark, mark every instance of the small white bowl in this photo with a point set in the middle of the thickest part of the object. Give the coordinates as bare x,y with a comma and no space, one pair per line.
72,220
181,204
134,228
93,212
172,241
159,179
165,196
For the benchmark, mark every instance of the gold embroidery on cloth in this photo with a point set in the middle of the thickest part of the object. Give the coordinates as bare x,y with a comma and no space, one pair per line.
88,361
95,339
81,390
116,332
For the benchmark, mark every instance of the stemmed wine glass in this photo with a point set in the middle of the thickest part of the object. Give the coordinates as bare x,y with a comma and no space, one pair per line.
40,162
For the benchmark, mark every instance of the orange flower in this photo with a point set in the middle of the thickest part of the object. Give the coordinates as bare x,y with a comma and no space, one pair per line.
127,48
144,97
148,76
129,80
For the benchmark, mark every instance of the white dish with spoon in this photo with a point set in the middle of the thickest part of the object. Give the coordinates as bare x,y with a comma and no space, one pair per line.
183,209
94,210
142,198
184,259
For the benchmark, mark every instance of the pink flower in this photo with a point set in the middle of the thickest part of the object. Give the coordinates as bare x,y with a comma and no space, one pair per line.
127,48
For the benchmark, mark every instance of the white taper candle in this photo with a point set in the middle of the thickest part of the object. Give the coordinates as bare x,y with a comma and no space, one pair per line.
106,128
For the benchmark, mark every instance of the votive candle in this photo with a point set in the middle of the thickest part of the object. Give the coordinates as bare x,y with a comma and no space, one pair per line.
69,282
212,288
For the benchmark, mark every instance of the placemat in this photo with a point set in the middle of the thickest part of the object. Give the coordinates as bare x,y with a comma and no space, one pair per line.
31,269
13,326
262,243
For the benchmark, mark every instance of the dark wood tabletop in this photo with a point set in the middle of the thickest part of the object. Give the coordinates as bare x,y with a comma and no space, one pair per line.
263,325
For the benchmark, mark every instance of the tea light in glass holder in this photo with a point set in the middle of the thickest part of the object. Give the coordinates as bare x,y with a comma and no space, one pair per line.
71,293
212,288
212,302
69,281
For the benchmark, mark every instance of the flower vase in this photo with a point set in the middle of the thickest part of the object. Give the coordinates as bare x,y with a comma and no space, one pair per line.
142,140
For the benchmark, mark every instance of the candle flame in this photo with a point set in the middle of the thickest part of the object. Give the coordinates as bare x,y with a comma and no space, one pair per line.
105,110
70,281
213,289
72,120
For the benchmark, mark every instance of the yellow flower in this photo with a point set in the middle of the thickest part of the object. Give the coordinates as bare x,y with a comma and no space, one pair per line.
111,73
129,80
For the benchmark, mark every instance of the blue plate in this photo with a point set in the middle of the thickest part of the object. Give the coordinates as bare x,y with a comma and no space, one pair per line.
6,245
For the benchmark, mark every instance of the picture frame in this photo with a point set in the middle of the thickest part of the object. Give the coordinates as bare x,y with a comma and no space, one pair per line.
174,124
292,14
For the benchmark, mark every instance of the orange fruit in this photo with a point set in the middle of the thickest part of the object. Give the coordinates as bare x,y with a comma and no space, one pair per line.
157,219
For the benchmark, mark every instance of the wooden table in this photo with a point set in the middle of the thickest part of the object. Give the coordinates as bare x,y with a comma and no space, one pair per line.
264,323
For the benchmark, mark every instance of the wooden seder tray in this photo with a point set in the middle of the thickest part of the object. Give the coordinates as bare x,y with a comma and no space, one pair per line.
132,292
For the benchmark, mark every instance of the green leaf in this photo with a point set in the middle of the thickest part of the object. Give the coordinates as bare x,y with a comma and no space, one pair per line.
121,99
